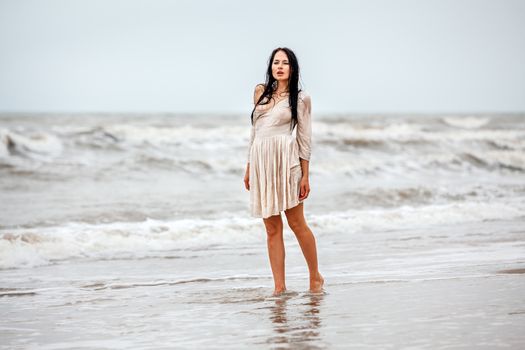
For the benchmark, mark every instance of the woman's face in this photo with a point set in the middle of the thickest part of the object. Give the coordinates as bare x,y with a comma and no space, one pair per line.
281,66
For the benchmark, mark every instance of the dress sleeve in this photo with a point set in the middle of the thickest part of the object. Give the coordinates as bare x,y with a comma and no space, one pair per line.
258,87
304,127
252,136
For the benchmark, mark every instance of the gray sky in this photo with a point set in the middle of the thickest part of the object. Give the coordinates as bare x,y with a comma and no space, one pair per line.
206,56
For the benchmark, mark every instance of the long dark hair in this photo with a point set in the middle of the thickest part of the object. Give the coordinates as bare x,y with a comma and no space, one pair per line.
271,83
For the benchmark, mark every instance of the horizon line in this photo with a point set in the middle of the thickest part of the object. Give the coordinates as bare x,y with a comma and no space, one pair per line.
355,112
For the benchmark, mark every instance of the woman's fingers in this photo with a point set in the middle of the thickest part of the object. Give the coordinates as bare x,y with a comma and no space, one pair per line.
305,191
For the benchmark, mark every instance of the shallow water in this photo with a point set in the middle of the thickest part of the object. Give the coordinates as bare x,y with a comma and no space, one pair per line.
396,289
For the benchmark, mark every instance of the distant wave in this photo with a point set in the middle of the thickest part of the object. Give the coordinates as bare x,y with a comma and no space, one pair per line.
385,197
222,137
151,135
511,160
410,133
466,122
340,146
37,145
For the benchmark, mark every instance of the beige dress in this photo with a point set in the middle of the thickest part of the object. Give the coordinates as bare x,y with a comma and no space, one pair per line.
274,152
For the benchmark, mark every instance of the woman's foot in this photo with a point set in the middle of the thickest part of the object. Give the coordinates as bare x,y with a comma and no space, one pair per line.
279,291
316,284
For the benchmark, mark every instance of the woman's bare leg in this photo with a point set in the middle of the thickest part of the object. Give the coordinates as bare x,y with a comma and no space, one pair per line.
297,223
274,231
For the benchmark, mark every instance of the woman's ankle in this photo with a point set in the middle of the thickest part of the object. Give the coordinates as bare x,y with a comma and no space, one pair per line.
279,288
315,276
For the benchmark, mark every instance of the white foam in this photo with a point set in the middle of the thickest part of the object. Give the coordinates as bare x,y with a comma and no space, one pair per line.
466,122
409,216
4,146
511,159
410,132
40,246
39,145
355,149
188,135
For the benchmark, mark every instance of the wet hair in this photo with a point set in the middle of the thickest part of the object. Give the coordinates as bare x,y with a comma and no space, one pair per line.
271,83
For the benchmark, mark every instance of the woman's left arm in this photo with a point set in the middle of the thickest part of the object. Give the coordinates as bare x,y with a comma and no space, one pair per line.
304,139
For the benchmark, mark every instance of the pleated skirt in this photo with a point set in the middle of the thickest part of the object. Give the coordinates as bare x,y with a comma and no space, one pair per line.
275,175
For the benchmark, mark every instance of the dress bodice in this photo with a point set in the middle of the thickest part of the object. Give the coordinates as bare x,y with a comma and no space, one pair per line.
273,119
276,119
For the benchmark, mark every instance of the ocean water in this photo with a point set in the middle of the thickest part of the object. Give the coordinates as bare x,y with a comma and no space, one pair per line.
133,231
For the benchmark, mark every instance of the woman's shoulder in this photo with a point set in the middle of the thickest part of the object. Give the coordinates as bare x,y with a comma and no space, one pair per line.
304,96
258,91
260,87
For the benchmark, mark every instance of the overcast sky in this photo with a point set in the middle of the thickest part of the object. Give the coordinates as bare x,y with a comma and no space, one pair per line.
436,56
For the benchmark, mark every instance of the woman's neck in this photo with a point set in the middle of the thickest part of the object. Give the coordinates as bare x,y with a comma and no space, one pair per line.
282,87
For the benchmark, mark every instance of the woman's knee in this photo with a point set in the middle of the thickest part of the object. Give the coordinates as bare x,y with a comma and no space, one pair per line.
296,225
274,231
274,227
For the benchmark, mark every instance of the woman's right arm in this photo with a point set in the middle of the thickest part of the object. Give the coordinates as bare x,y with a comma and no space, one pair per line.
259,89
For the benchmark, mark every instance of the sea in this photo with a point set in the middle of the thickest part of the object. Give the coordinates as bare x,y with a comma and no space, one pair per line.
133,231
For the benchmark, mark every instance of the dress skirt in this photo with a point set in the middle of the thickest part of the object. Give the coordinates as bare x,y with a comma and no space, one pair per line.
275,174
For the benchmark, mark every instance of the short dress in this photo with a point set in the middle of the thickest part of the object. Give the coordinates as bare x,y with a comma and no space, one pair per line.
274,152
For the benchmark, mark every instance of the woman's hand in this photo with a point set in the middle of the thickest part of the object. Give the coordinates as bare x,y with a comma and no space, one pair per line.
305,188
247,177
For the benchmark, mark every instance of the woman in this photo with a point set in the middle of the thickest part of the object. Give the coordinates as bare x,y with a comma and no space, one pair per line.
278,163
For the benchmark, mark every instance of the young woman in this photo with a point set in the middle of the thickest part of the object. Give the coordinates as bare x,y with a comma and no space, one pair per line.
278,163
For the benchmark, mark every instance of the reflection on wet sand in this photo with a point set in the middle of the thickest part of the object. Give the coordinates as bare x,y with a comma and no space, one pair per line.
296,323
